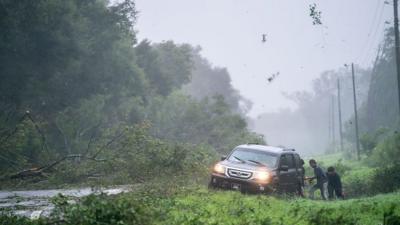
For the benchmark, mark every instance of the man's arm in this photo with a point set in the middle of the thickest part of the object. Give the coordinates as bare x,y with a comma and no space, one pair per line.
313,177
339,181
318,172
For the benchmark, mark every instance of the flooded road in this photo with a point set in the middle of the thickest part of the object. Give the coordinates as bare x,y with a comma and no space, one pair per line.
36,203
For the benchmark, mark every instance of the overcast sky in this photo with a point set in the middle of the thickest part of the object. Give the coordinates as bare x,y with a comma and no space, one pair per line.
230,33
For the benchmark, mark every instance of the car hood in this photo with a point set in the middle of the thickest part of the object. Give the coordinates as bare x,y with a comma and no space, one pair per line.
243,166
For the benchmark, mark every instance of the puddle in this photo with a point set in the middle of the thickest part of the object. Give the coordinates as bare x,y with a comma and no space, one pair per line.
36,203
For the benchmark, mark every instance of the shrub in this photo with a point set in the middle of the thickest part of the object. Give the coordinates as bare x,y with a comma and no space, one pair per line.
386,179
358,182
386,152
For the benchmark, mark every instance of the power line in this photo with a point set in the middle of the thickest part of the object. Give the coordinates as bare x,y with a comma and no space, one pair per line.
370,30
373,36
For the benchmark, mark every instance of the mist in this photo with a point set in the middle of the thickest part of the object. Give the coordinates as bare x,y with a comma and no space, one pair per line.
199,112
230,35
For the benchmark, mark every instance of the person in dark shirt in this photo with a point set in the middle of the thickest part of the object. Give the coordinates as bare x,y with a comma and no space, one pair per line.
303,175
320,176
334,184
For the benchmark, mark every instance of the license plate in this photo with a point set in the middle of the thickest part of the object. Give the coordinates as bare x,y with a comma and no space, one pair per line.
236,186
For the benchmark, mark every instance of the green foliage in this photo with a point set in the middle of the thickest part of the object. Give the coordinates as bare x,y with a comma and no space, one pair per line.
91,92
369,141
210,121
167,66
386,179
199,206
56,52
362,179
17,220
386,152
358,182
382,95
106,210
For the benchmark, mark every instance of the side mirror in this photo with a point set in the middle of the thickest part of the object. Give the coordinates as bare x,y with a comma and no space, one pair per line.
223,157
284,168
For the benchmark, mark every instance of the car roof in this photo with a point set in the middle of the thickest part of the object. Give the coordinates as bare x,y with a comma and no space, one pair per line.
266,148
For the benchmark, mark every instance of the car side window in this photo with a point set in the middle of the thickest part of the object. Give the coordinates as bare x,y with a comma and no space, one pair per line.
297,160
284,160
290,160
287,160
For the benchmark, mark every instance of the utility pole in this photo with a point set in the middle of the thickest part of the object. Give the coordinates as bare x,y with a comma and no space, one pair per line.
330,121
397,46
355,112
340,115
333,121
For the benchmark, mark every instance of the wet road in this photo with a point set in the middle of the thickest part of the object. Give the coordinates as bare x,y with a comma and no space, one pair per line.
36,203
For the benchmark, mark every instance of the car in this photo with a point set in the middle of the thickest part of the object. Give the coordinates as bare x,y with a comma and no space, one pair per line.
259,168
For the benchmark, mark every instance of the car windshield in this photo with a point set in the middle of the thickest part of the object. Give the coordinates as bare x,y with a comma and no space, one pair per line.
253,156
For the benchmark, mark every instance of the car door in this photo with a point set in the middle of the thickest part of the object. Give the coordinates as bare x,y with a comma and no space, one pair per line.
292,173
299,174
287,176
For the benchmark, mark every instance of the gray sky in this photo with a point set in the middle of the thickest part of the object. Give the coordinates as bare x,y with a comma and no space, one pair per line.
229,31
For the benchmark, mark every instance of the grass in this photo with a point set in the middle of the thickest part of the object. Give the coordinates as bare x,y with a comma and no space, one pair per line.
204,207
199,206
182,204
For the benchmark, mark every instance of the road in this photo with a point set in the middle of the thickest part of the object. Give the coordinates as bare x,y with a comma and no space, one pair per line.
36,203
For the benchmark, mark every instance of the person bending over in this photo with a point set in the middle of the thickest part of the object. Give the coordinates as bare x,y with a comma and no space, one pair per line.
334,184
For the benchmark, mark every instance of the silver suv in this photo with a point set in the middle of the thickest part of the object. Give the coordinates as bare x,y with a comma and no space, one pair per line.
258,168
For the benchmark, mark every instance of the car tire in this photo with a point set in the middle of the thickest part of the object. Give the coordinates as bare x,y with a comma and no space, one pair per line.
212,186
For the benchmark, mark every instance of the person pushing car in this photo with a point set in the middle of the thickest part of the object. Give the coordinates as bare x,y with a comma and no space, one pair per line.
321,178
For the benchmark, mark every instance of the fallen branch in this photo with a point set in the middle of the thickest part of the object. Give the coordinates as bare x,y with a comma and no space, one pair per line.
108,144
39,171
35,172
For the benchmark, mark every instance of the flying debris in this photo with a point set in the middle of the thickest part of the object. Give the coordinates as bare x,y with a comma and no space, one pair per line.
273,76
387,22
264,38
315,14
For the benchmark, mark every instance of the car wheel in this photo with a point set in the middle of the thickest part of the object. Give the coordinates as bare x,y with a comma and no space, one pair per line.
212,186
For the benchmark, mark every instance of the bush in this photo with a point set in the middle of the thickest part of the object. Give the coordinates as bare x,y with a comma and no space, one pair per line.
191,206
386,152
358,182
386,179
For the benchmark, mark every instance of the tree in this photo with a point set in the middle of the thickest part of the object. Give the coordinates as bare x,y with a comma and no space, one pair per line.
167,65
209,81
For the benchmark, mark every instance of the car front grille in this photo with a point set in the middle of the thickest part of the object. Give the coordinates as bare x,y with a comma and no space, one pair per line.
239,173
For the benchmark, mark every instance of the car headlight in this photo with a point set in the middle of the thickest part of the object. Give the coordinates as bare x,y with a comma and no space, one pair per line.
262,176
218,168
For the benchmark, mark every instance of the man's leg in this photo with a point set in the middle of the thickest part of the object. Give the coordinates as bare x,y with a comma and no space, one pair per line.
312,190
300,190
322,188
339,193
330,192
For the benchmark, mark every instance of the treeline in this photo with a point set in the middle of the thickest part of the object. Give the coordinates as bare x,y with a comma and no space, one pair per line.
314,125
309,127
81,98
379,110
